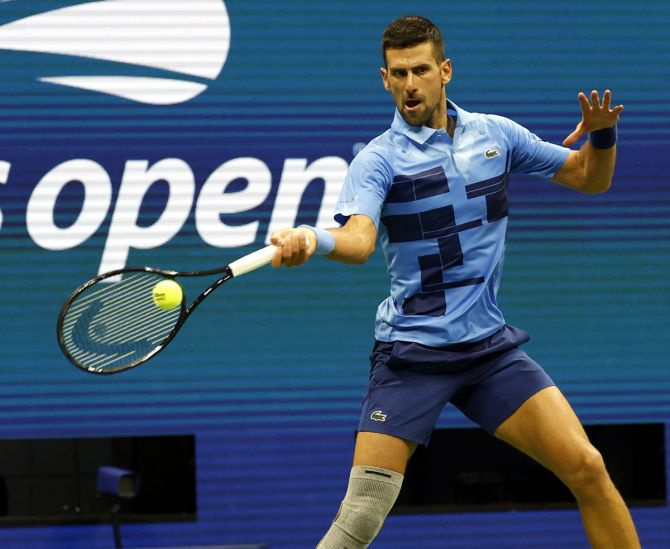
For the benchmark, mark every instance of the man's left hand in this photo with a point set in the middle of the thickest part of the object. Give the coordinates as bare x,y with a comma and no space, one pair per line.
595,116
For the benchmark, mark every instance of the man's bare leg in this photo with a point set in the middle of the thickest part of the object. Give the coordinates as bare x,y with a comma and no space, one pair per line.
546,428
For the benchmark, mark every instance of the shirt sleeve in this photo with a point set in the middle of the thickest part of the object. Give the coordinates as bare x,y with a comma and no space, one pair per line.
531,155
365,187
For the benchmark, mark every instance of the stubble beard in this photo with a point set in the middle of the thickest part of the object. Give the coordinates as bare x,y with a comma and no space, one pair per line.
420,118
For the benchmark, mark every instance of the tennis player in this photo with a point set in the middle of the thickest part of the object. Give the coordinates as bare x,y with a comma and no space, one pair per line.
434,189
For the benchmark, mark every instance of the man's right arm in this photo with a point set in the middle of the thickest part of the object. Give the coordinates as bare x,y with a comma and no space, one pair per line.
358,210
354,243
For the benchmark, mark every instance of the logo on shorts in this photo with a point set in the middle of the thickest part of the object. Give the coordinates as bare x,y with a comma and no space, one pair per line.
378,415
492,153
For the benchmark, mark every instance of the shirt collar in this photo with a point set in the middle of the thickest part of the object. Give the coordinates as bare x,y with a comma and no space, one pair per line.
421,134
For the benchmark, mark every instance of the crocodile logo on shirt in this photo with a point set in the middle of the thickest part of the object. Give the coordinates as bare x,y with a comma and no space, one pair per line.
378,415
492,153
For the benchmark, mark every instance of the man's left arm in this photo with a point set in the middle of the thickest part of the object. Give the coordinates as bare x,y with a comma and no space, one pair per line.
590,169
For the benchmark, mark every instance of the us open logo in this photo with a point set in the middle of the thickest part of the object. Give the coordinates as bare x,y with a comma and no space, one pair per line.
187,40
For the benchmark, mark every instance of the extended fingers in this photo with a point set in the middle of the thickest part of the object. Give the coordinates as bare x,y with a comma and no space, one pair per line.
607,99
584,102
594,103
595,100
573,137
595,115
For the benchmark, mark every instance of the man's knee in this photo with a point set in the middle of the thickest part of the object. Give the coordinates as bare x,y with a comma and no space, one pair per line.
363,518
586,474
371,493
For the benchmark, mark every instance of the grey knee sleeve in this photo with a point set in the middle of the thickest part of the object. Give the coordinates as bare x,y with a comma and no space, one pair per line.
371,494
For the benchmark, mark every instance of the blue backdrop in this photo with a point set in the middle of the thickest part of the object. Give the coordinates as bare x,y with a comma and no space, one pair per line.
107,149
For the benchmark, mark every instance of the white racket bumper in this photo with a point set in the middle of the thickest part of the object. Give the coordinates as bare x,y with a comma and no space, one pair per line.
252,261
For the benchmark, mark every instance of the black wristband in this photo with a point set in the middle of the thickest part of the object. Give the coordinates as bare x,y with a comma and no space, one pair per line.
603,139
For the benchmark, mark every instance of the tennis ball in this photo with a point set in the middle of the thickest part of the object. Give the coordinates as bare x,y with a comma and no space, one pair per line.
167,294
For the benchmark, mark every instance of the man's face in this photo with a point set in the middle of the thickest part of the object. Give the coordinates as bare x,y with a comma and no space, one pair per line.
416,81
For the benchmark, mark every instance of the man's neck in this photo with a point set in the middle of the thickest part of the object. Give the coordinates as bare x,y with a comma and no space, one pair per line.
451,126
443,120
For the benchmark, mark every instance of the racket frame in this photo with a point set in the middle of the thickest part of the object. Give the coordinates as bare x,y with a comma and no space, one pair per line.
243,265
183,314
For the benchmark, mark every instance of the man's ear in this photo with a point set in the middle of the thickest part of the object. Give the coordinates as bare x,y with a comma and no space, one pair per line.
385,78
446,71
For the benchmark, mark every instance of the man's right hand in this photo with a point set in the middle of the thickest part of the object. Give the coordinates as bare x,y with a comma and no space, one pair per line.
294,246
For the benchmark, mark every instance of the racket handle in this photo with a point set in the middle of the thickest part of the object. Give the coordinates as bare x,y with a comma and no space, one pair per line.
252,261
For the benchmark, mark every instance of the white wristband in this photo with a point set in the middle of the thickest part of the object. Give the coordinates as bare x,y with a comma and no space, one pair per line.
325,241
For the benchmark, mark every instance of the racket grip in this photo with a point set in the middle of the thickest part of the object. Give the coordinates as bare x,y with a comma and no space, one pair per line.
252,261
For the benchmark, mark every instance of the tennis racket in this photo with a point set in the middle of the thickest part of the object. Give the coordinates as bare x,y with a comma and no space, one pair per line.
108,326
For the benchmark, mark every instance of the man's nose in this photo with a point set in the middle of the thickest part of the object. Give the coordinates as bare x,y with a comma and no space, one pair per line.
409,83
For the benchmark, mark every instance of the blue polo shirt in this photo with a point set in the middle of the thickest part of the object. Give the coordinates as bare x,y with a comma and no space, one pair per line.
440,206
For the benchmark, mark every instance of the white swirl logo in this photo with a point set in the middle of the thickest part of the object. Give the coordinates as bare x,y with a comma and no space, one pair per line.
190,38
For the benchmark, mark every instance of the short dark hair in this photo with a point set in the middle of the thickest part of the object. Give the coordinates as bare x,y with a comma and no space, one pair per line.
411,30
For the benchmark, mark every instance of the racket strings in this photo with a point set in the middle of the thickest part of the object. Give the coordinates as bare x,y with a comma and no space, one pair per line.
113,324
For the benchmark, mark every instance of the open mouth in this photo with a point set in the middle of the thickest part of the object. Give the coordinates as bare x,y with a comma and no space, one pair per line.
412,104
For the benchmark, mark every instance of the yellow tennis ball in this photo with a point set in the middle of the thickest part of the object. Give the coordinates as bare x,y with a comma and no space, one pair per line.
167,294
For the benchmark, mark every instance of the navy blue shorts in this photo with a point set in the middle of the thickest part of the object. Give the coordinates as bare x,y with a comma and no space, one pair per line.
410,384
